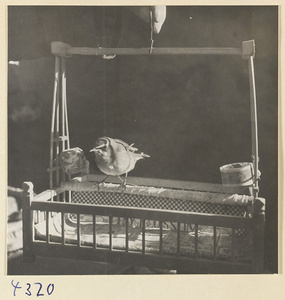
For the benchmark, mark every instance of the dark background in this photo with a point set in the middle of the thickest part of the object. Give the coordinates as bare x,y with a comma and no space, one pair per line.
191,114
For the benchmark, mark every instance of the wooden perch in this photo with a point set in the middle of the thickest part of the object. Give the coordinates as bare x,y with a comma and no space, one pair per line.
65,50
221,198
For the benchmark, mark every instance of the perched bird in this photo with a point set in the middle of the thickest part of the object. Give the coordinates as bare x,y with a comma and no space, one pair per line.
115,157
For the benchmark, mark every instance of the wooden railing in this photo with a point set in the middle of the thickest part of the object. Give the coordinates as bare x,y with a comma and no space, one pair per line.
42,203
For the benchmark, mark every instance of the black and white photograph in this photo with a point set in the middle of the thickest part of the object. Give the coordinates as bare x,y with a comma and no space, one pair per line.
142,140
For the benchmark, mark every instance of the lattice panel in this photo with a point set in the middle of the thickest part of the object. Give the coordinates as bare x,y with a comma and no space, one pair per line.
129,200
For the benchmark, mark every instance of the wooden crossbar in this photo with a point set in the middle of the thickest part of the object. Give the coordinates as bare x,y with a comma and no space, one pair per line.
212,197
65,50
146,213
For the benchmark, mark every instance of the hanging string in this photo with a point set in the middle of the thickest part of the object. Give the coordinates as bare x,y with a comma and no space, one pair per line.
151,33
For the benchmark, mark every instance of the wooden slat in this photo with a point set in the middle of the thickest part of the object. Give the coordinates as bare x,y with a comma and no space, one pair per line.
36,217
214,242
110,233
178,239
55,96
63,95
160,238
233,244
64,193
78,230
94,231
143,236
63,228
57,142
145,213
66,115
31,225
166,183
127,234
63,136
62,196
196,241
47,227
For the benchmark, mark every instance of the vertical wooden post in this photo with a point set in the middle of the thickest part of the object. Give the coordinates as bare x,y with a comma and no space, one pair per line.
110,233
47,227
233,244
59,135
215,242
196,241
178,238
78,229
94,231
63,227
254,132
63,114
127,234
27,198
258,236
248,52
65,130
143,236
160,238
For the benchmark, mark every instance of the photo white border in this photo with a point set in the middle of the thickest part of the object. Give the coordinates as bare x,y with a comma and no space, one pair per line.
147,287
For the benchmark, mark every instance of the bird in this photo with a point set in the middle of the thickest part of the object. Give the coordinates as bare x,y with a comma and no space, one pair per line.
115,157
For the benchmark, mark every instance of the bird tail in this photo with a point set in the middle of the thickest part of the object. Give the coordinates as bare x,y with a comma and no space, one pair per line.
142,155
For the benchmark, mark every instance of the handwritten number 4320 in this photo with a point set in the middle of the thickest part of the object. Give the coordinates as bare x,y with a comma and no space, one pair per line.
49,290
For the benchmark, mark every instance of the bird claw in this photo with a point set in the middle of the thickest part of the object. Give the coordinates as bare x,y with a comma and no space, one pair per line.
97,185
123,187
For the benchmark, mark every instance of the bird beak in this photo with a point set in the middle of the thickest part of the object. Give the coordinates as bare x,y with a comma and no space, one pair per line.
100,146
97,148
